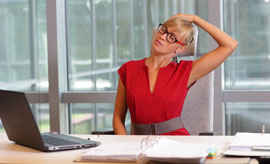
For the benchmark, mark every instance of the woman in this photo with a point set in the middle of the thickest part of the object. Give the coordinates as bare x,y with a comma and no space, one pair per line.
154,88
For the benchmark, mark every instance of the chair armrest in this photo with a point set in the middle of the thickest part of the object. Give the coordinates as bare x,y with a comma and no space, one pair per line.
109,132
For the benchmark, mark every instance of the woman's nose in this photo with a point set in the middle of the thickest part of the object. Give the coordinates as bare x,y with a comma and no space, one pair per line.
163,36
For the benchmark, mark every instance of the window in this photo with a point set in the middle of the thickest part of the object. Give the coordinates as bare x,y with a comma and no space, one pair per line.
247,117
248,22
41,114
23,51
87,117
246,72
101,36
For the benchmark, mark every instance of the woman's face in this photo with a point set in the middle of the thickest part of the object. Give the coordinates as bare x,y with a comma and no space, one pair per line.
161,43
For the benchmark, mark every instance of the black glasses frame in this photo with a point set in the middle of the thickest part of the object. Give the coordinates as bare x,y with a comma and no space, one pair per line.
160,26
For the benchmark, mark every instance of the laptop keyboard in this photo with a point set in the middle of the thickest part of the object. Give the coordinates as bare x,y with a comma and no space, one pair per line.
56,141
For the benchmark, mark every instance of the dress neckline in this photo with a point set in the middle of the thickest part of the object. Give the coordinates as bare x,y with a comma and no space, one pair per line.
161,69
171,64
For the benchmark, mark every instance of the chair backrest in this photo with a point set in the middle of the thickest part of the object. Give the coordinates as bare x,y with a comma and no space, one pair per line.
197,112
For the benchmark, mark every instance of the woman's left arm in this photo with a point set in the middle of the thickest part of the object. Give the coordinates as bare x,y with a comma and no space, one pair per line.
211,60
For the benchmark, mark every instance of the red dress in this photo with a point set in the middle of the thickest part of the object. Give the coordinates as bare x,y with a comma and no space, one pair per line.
168,97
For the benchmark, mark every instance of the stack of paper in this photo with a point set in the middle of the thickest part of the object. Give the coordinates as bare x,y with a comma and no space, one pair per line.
114,152
249,144
250,141
177,152
165,150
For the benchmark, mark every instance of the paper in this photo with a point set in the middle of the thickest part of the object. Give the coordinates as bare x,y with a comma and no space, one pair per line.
176,152
114,152
163,150
248,141
246,153
249,145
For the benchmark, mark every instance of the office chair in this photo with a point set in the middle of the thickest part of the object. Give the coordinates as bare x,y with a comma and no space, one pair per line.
197,111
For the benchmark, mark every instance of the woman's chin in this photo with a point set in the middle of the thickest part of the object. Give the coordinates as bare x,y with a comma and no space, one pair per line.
158,50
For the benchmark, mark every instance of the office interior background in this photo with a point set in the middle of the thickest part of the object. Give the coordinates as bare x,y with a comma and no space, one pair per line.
65,54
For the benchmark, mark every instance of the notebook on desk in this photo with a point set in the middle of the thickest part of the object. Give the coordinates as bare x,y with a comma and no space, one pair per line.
150,148
21,127
249,145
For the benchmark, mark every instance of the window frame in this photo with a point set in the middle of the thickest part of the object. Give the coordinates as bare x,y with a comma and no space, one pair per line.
59,97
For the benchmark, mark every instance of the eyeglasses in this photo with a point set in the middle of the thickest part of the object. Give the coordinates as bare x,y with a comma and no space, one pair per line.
170,37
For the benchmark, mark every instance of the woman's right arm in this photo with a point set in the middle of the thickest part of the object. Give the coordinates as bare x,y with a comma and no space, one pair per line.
120,110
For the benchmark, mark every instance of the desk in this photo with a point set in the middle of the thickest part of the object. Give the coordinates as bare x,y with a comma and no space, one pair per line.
13,153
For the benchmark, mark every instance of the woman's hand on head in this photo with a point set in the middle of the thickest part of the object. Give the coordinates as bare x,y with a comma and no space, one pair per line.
188,17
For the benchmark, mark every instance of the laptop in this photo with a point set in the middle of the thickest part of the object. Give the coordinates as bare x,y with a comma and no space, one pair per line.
21,127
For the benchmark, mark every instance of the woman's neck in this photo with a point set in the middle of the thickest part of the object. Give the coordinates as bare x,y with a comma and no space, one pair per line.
157,61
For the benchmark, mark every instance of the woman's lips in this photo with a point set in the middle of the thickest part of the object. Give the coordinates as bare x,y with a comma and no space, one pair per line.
159,43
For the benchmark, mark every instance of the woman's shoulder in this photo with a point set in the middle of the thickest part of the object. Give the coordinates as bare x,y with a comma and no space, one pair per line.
134,63
184,65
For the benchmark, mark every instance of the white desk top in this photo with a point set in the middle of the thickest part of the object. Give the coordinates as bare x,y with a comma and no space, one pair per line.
13,153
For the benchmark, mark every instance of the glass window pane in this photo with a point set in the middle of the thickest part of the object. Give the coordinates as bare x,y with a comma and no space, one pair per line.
86,118
41,114
82,118
101,36
1,127
92,59
104,34
247,117
123,31
171,8
138,30
248,22
79,44
161,10
203,37
23,51
96,48
23,48
104,55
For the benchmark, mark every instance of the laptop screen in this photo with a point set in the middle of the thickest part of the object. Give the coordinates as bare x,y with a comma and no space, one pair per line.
18,120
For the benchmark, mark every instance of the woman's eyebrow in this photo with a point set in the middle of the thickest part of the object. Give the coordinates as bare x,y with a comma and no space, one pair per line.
172,33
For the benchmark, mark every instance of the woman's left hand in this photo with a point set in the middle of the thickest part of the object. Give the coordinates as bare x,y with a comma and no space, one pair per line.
188,17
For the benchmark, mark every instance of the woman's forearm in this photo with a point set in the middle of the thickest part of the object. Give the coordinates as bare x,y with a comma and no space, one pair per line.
118,127
212,59
120,110
223,39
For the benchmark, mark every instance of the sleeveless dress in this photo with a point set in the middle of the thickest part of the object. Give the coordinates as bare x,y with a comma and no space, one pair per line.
168,97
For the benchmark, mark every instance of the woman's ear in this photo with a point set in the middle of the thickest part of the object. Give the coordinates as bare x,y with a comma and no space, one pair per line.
180,49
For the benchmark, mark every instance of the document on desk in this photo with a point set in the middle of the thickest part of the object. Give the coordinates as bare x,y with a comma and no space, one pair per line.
164,150
114,152
171,151
249,144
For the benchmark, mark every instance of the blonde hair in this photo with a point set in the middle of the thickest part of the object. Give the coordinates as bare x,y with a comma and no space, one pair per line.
184,27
